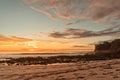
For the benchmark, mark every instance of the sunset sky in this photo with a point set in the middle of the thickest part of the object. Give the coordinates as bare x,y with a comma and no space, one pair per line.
57,25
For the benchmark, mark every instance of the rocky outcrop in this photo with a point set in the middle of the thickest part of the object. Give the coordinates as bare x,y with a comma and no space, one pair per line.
115,45
108,47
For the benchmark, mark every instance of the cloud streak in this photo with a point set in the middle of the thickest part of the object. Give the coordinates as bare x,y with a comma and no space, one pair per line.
13,38
72,33
44,12
78,46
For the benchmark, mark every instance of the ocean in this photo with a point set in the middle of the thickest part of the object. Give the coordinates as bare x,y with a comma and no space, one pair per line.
7,56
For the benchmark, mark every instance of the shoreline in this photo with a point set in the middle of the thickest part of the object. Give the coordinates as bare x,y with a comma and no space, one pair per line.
58,59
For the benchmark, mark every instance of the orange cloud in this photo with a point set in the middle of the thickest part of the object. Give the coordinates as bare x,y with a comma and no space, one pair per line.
13,38
65,16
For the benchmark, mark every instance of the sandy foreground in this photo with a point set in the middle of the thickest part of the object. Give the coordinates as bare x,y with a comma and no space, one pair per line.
93,70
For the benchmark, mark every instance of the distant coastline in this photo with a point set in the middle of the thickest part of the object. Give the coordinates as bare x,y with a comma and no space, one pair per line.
19,55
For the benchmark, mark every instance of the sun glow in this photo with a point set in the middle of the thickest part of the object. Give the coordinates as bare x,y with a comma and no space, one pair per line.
16,44
32,44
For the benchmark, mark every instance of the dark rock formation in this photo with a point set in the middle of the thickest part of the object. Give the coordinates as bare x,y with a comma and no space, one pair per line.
103,46
115,45
108,47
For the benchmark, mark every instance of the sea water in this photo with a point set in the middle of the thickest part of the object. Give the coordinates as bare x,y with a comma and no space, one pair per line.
7,56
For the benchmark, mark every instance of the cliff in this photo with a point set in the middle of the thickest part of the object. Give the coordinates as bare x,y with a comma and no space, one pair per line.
108,47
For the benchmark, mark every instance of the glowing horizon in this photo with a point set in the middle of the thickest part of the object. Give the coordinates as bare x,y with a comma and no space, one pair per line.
16,44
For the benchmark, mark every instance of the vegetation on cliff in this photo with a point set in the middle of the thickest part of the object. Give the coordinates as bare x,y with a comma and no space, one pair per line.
108,47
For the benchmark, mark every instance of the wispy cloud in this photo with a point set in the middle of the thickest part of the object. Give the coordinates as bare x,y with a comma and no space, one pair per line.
65,9
44,12
104,9
13,38
68,24
68,9
71,33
